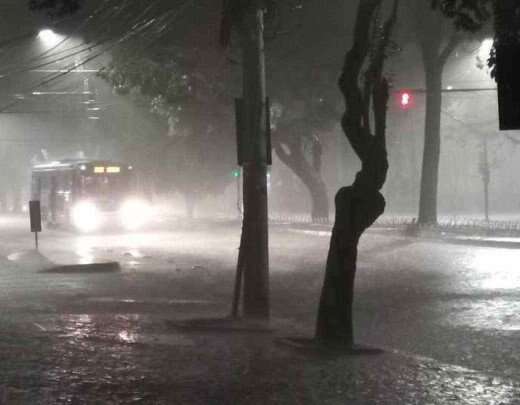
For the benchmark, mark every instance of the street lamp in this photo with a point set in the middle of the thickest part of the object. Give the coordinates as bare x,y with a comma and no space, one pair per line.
485,49
49,37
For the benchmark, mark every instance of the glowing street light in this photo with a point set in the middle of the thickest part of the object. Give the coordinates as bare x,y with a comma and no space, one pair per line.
49,37
485,48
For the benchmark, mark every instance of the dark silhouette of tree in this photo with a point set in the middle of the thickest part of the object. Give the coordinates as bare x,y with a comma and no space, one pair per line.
468,15
437,39
358,205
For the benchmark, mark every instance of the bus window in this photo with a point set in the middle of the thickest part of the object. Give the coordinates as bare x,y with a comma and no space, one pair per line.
105,185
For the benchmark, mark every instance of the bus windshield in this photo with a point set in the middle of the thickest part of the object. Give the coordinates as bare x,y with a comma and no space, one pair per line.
105,185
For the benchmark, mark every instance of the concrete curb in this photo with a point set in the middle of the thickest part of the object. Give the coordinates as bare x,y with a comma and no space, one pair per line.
108,267
494,242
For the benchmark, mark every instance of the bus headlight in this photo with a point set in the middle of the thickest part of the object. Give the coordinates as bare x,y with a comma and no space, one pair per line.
85,216
135,213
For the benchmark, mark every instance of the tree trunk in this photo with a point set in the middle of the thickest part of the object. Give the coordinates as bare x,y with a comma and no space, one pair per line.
486,200
189,201
3,201
356,210
359,205
309,174
319,201
485,172
432,145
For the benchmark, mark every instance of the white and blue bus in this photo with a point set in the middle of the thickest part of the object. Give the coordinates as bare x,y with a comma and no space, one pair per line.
89,194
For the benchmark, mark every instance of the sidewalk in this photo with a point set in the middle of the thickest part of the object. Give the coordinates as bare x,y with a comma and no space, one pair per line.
428,233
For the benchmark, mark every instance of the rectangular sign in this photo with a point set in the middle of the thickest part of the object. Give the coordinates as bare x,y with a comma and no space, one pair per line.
35,216
250,146
507,47
113,169
508,85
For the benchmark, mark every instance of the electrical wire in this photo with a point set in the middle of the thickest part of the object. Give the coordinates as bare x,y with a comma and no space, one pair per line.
136,28
87,46
73,54
79,27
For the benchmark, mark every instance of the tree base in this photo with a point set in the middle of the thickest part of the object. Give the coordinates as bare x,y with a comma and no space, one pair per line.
325,347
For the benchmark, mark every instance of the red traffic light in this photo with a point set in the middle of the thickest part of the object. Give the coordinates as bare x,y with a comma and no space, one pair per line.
405,99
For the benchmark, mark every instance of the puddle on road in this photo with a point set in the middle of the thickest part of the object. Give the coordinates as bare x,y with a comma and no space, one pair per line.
493,269
495,314
154,338
153,301
121,328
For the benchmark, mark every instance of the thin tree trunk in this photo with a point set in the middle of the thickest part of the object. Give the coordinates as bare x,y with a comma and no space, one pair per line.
189,201
486,200
486,175
319,201
432,146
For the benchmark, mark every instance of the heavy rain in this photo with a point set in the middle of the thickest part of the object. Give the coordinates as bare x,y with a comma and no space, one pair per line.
259,202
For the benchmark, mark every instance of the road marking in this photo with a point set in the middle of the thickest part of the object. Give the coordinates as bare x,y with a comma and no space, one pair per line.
39,327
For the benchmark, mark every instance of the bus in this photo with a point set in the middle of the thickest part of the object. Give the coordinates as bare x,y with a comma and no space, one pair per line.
88,194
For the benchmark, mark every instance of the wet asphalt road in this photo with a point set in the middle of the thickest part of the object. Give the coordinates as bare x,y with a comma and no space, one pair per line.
426,300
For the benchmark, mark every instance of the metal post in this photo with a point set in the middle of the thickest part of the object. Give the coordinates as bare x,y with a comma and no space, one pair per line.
255,226
239,203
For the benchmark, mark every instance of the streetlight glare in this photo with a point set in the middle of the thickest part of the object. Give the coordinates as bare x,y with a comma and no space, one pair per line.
485,48
49,37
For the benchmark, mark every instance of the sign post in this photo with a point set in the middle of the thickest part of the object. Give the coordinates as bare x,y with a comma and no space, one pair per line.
36,219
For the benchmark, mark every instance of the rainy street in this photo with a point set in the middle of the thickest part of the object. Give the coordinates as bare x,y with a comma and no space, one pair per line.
447,316
256,202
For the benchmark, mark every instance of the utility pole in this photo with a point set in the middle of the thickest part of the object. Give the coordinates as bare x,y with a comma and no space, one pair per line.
485,174
254,242
247,17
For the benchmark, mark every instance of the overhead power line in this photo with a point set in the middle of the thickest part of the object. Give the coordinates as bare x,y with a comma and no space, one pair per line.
137,28
114,12
79,27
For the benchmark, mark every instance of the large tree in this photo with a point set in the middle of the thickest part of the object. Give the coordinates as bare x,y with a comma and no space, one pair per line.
437,39
302,74
195,151
298,143
360,204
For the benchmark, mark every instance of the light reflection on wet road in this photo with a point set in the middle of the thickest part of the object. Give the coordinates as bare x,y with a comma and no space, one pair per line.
456,304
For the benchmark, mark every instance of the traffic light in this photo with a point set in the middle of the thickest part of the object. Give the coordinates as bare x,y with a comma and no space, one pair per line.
405,99
236,173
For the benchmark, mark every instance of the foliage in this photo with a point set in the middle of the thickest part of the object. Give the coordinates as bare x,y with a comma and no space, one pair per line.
472,15
468,15
195,154
56,8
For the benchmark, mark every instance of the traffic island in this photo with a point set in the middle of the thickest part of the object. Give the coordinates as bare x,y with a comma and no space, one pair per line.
107,267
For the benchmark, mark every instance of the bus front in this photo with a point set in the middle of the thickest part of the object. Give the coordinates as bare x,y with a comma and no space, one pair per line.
105,195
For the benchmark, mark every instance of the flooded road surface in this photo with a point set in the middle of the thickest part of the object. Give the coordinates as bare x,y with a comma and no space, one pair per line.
446,315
